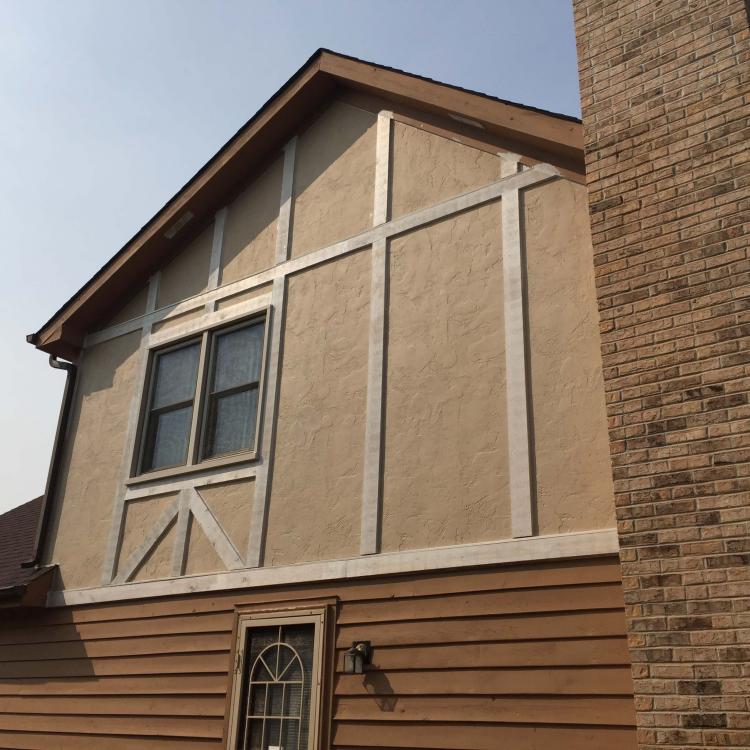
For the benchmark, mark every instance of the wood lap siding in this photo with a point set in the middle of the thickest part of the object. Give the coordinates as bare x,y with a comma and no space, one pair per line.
528,657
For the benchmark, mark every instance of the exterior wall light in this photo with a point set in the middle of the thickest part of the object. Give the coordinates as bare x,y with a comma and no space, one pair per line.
357,657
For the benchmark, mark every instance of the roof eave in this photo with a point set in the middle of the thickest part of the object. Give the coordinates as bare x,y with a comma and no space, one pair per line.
267,131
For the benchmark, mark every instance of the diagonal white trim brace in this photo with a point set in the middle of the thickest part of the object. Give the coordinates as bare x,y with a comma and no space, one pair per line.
215,534
537,174
157,532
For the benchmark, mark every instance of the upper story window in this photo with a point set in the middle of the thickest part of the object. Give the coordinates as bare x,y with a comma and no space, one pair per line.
201,401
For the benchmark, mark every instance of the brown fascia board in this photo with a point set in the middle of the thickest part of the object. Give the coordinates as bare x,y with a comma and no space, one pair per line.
261,136
32,593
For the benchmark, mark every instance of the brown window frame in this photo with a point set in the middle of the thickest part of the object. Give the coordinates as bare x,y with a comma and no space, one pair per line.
248,618
195,461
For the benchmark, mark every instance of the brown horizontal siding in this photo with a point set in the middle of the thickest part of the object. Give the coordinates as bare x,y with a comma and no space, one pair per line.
529,656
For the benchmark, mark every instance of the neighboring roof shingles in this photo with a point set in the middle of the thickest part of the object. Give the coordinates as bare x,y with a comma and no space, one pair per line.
17,534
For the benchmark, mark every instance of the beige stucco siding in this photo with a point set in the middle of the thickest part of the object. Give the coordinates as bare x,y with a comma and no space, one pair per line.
333,178
187,273
446,479
250,230
135,306
573,476
140,517
158,563
428,169
444,474
317,480
94,455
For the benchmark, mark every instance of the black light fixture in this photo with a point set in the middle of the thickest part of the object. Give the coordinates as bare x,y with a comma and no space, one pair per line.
357,657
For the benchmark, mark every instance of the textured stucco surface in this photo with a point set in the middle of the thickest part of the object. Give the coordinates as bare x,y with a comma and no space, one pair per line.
177,320
140,517
158,563
231,504
244,296
428,168
187,273
445,447
134,307
250,229
317,482
333,178
90,474
201,556
574,484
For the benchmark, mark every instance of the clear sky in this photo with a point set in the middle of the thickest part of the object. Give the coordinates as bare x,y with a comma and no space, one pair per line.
108,107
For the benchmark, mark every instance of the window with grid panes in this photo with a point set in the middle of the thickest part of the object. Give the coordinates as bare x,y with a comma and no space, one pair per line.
202,399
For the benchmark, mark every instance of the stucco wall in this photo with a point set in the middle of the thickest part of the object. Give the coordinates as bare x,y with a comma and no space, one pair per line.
133,307
187,273
250,228
93,458
317,481
573,475
446,479
445,463
333,178
428,169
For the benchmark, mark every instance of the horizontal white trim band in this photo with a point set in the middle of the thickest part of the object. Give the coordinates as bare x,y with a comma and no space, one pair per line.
473,199
557,546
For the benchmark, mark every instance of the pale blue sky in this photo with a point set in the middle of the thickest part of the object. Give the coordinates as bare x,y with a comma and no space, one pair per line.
108,107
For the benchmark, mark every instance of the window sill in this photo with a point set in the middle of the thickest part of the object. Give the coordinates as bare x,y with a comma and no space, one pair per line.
179,471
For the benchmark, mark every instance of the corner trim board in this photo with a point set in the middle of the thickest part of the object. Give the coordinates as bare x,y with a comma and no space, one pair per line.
507,551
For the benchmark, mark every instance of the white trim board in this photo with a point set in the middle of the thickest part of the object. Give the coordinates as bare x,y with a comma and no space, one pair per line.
508,551
371,483
537,174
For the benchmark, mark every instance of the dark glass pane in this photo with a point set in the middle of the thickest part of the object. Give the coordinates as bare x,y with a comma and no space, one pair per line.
275,699
300,638
259,640
290,735
231,422
237,357
167,438
272,734
286,657
293,700
175,376
256,735
257,700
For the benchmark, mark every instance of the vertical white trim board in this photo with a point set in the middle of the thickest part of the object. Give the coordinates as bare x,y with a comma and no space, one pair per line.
373,458
259,510
118,512
515,368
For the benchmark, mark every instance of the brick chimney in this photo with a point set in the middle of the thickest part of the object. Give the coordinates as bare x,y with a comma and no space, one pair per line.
665,90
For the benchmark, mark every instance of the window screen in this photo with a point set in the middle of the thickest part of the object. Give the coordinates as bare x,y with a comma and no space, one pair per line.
276,692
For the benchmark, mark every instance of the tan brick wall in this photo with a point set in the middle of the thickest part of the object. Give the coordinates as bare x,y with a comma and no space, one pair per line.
665,95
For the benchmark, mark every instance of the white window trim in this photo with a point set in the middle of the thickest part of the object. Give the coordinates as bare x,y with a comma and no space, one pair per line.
203,329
